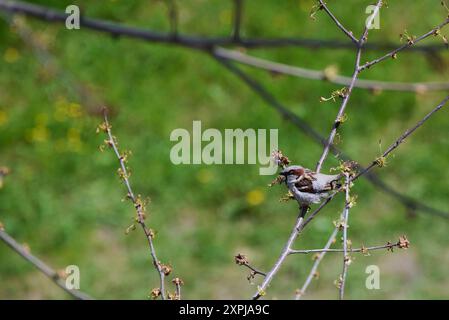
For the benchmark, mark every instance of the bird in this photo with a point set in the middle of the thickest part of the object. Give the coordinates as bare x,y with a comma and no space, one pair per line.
309,187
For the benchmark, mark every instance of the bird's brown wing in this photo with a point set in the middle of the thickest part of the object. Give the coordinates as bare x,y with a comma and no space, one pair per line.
309,174
305,184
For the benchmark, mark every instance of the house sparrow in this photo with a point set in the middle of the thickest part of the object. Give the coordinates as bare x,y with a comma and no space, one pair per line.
309,187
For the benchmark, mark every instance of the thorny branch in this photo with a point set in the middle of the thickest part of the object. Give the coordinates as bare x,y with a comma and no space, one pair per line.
348,91
163,270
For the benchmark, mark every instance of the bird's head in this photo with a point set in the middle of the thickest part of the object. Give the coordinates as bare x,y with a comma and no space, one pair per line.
292,172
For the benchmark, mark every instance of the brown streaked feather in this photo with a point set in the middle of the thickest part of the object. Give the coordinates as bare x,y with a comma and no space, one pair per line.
305,185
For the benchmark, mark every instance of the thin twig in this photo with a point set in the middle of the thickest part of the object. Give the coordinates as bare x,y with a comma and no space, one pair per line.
346,258
338,23
401,139
348,92
137,205
313,271
254,270
402,244
178,291
407,45
280,68
338,119
41,266
320,256
242,260
363,250
285,252
178,284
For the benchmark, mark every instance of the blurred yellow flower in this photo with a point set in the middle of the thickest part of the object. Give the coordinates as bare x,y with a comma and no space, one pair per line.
204,176
74,139
39,133
255,197
61,101
11,55
60,114
74,110
64,109
3,117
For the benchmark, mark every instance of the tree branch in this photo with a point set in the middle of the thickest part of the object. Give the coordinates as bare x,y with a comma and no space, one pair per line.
285,252
111,142
401,139
348,92
280,68
196,42
409,44
363,250
338,23
313,271
346,258
41,266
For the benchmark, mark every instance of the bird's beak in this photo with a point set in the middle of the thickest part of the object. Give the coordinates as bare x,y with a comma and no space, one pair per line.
283,177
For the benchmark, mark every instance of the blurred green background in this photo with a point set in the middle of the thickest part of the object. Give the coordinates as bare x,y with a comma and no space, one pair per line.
64,199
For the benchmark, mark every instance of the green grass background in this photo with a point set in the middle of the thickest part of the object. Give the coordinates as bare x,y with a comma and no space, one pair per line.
64,199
